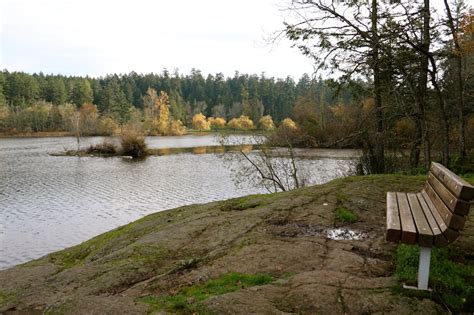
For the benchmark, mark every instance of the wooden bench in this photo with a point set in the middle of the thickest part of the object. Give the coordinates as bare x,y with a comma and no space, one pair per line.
432,217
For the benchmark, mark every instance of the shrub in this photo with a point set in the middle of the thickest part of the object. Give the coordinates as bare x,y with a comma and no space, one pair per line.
266,123
241,123
287,134
105,147
133,143
288,124
176,128
233,123
246,123
200,122
216,122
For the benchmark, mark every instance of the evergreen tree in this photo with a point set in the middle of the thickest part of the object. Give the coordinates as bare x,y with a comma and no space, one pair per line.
82,92
55,91
116,102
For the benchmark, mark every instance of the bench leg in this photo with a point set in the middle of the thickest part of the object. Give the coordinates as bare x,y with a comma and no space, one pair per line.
424,268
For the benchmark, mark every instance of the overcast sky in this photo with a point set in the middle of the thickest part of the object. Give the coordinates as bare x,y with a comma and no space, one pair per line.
93,37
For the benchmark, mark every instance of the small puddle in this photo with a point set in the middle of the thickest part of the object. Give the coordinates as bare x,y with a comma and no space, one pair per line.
345,234
301,229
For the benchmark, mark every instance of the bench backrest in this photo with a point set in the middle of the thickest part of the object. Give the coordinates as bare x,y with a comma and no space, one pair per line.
450,195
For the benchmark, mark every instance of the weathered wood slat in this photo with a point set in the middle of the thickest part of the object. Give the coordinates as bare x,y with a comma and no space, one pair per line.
452,220
393,218
459,187
425,235
451,235
442,225
448,233
406,219
454,204
438,237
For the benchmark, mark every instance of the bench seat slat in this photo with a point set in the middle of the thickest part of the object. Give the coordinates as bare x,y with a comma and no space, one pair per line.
393,218
452,220
454,204
406,219
425,235
438,237
458,186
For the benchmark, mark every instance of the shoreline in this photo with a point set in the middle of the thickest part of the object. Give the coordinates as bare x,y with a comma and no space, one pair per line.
314,153
52,134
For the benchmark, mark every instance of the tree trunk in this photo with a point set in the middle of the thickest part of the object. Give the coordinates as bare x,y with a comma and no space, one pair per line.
460,90
427,144
462,136
423,83
379,156
415,150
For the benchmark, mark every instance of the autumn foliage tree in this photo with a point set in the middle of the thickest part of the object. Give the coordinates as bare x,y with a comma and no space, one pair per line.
88,118
242,123
266,123
200,122
158,120
216,122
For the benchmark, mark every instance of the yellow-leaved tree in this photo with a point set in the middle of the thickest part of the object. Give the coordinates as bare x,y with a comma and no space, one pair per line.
176,128
242,123
158,120
163,119
288,124
200,122
266,123
216,122
246,123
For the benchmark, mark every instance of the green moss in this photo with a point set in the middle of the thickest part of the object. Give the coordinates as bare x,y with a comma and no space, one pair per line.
147,253
452,283
103,243
345,215
77,254
6,297
244,203
188,300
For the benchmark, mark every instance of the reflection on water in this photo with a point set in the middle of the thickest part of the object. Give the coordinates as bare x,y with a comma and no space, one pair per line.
50,202
215,149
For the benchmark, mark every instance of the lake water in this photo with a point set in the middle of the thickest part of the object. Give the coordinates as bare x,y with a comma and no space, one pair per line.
49,202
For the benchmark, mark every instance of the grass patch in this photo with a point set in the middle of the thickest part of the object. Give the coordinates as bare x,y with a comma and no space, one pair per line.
345,215
188,300
5,297
469,177
452,283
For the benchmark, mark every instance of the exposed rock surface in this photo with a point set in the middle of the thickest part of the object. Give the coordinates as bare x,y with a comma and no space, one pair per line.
279,234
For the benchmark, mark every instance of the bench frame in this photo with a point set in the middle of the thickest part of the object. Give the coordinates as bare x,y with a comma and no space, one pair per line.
432,217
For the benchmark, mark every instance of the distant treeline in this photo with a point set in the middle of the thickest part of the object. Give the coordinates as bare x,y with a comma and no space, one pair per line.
214,95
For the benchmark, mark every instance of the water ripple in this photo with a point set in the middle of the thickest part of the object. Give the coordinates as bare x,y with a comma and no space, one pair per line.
48,203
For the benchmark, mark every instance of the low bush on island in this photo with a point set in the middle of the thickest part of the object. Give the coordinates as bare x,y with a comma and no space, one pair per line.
133,144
